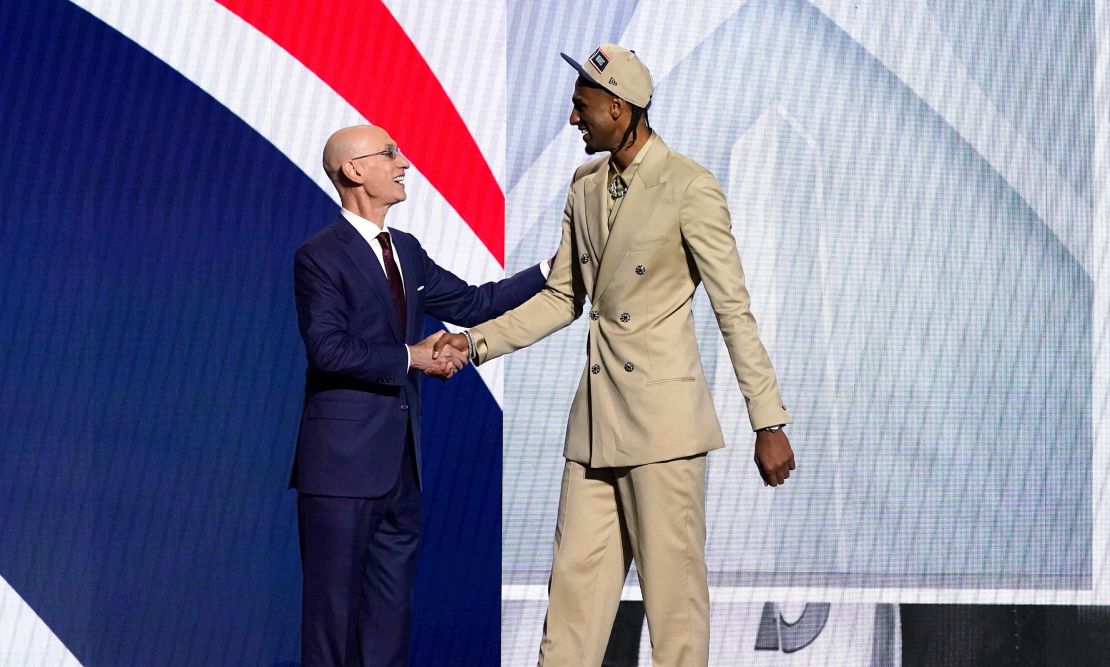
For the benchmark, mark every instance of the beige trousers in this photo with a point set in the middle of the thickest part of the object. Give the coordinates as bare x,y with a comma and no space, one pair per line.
652,513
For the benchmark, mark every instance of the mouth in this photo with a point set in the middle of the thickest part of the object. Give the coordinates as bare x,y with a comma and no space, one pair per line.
400,180
585,133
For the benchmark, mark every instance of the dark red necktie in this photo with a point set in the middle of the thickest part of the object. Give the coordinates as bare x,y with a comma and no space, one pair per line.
394,276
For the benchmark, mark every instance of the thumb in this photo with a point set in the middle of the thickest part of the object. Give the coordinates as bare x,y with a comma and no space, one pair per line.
436,338
439,345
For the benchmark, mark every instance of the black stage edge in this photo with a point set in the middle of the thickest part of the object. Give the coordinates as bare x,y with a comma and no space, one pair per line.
998,635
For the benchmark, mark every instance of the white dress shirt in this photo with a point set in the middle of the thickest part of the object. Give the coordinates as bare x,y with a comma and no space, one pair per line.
369,231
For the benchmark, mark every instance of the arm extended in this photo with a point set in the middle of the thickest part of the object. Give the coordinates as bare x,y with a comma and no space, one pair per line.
555,306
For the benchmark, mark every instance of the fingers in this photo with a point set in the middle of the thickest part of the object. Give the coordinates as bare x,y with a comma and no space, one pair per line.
440,343
445,340
763,474
775,475
443,372
453,355
450,362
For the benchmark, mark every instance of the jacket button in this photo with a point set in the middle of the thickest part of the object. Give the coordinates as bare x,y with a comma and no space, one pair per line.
595,369
625,317
404,406
585,258
629,367
640,269
594,314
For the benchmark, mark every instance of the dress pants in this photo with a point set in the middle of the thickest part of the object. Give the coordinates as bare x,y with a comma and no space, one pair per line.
654,513
358,558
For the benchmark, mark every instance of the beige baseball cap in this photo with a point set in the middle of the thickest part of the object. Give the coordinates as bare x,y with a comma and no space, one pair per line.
619,71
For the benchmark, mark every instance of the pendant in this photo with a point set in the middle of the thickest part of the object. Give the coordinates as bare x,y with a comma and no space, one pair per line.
617,188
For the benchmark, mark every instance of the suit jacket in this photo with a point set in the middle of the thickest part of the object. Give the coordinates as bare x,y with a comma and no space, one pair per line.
360,399
643,396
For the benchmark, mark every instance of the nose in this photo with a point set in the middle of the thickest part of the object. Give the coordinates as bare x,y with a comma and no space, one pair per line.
403,162
574,117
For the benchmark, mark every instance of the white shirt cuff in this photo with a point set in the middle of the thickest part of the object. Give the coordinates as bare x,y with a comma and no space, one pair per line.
545,269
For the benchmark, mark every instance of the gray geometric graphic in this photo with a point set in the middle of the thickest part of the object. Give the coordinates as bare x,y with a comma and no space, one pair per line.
776,634
930,330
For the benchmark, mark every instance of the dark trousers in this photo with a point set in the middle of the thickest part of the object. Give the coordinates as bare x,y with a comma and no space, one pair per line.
358,558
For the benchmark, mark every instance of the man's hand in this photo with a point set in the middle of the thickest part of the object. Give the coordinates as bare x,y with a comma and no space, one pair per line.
773,456
442,364
451,342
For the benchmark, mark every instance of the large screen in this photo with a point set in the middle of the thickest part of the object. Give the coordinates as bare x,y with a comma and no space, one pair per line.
912,194
919,196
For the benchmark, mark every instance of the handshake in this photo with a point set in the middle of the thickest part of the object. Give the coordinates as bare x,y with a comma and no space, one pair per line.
441,360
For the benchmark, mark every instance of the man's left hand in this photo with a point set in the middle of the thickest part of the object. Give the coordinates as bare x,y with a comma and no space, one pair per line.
773,456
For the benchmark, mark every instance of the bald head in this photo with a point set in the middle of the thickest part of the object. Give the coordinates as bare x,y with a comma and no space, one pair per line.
350,142
369,181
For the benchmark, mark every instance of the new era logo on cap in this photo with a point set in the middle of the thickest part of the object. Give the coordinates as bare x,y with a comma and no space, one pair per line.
599,60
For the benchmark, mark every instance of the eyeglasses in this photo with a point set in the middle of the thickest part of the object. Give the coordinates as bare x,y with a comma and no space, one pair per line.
390,152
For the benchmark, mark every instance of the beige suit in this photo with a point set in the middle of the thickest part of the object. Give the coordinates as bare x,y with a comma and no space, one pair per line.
643,398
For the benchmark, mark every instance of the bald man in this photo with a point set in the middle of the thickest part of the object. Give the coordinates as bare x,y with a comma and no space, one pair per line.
362,290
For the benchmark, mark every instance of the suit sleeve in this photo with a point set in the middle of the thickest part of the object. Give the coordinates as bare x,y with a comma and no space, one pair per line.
330,345
449,298
706,230
558,304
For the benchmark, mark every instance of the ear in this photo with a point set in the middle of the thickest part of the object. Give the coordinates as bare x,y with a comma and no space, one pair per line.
616,108
352,172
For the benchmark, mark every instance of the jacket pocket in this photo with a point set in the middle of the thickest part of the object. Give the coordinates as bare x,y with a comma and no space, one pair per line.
338,410
681,379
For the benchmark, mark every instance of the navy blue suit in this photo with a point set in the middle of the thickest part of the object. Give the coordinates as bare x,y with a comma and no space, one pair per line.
356,467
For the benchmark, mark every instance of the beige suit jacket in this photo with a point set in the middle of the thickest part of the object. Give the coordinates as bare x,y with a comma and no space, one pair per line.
643,397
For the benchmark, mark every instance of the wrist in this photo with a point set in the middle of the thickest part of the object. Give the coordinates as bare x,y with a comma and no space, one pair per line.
470,349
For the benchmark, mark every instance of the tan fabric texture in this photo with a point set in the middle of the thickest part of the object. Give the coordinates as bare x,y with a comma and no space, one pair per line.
654,513
643,396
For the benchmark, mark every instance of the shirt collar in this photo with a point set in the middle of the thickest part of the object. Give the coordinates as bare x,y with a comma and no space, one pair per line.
630,170
368,229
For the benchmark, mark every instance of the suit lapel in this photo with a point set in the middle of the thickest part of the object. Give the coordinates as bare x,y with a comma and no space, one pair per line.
597,222
363,257
409,254
636,208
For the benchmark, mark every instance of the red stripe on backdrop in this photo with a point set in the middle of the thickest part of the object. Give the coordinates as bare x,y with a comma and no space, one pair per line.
363,53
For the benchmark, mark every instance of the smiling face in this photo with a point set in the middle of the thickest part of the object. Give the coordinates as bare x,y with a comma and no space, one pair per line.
367,169
380,176
596,114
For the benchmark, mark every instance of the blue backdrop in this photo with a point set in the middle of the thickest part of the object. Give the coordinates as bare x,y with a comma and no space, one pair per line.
152,372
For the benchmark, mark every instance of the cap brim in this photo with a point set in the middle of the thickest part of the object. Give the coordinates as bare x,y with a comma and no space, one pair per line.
581,71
